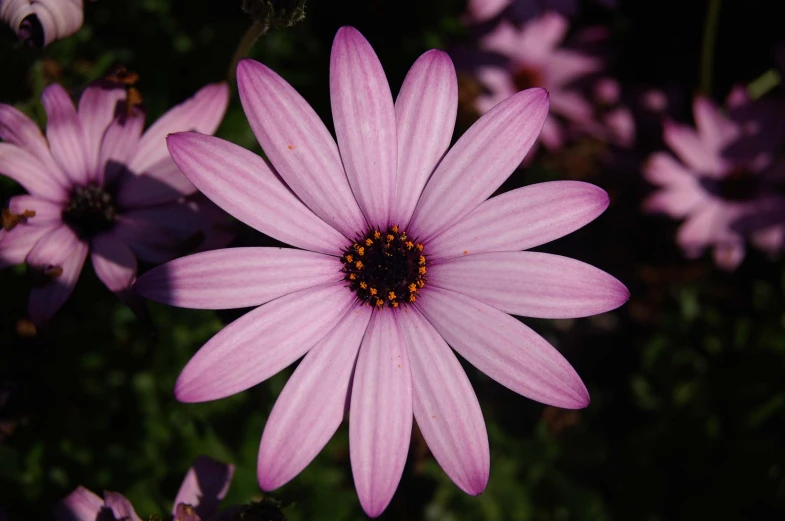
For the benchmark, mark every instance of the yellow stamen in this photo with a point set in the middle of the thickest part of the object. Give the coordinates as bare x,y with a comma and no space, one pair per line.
394,304
349,258
368,242
412,298
390,238
377,234
360,251
419,247
373,291
421,260
395,229
421,283
359,265
391,295
363,285
379,302
412,288
352,276
409,245
422,270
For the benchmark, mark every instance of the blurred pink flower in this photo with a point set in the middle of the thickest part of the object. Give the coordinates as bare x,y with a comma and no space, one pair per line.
479,11
726,174
40,22
97,184
205,485
535,59
401,255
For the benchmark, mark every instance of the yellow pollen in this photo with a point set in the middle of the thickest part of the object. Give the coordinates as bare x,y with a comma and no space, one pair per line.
412,298
403,236
421,283
373,291
391,295
421,260
377,234
360,251
379,303
368,242
422,270
394,304
412,288
419,247
355,246
349,258
359,265
390,238
409,245
352,276
395,229
363,285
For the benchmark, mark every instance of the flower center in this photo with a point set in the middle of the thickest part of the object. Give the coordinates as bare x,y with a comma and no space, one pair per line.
528,77
90,210
31,31
738,185
385,268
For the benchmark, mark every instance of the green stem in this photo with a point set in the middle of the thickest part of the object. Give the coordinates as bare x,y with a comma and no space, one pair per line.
709,43
250,37
763,84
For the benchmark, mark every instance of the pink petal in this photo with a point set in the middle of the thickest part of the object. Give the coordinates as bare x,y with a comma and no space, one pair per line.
531,284
202,113
364,118
684,141
148,240
237,277
97,108
79,505
662,169
522,219
60,248
445,406
16,244
312,404
380,416
728,255
145,190
59,18
120,506
17,129
714,129
243,184
540,36
480,161
113,262
205,485
66,136
261,343
676,202
703,228
118,142
46,212
299,146
504,348
425,113
482,10
23,167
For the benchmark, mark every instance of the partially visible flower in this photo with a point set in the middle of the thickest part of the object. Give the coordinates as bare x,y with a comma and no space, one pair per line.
98,185
205,485
614,118
401,254
40,22
726,174
534,58
479,11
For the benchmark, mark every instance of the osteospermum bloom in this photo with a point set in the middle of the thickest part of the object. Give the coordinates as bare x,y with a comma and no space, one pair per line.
98,185
401,256
535,58
726,175
205,485
40,22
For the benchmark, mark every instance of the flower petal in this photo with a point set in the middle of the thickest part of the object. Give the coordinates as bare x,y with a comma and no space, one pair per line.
65,134
59,249
79,505
97,108
120,506
299,146
715,130
16,128
364,118
59,18
480,161
243,184
504,349
522,219
531,284
684,141
445,406
23,167
16,244
261,343
380,416
202,113
46,212
205,485
117,143
425,113
113,262
312,404
237,277
149,241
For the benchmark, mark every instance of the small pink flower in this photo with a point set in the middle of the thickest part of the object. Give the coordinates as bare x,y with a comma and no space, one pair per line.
40,22
726,174
97,184
535,59
401,256
479,11
203,488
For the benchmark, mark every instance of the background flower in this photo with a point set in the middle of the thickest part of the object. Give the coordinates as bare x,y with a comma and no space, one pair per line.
40,22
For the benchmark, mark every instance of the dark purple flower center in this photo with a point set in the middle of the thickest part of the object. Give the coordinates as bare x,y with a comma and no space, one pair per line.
90,210
738,185
528,77
385,268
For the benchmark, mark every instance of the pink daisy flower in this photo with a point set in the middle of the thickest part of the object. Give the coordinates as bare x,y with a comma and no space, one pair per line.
40,22
205,485
726,174
98,185
401,257
535,59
